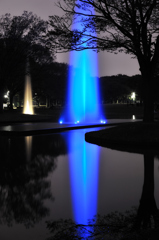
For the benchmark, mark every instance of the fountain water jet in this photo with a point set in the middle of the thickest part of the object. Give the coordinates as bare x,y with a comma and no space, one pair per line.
28,106
83,95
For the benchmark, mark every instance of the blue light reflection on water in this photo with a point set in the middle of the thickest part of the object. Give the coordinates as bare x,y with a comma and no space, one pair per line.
83,167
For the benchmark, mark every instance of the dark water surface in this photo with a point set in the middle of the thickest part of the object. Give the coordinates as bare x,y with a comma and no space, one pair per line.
48,177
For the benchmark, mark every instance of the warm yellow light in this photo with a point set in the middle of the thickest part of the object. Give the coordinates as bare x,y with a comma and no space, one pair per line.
28,142
28,106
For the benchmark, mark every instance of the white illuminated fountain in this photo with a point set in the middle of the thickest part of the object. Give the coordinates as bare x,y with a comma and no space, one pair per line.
28,106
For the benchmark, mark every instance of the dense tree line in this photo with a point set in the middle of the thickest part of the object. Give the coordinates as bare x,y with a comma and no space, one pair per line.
49,82
119,88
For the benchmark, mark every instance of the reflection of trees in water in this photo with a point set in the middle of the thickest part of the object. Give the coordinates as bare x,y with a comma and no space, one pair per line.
148,214
140,223
53,145
23,183
23,190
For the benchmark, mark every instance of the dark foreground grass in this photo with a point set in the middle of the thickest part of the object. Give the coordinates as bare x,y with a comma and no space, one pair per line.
41,115
133,137
110,111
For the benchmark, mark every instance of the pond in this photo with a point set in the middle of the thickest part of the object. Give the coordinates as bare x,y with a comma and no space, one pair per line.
60,176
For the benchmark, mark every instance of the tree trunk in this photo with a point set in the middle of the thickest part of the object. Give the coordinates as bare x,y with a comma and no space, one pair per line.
147,207
148,114
149,70
148,98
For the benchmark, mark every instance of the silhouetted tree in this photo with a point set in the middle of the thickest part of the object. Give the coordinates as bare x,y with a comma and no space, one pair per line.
12,65
118,87
131,26
21,37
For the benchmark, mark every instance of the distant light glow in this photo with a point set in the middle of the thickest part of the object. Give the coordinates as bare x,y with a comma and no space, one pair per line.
133,96
61,122
133,117
7,94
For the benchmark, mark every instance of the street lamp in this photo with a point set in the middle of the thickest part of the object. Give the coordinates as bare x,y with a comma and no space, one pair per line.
133,96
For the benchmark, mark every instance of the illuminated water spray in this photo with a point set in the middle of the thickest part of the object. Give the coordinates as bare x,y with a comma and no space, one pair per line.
28,106
83,98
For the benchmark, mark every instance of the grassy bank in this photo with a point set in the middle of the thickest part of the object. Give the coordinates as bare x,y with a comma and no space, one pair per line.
111,111
40,114
133,137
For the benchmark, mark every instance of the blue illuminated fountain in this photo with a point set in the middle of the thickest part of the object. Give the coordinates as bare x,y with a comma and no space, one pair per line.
83,98
83,106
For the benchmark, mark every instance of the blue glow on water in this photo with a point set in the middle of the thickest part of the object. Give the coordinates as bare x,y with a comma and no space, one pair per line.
83,95
83,165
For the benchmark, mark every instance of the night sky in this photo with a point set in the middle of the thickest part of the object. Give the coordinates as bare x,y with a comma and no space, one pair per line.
109,64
